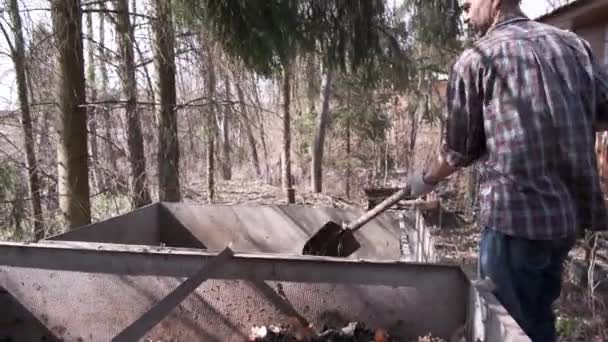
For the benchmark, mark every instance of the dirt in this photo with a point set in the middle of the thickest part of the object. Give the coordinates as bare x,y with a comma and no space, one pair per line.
254,192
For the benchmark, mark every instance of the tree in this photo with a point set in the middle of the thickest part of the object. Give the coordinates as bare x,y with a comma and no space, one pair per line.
96,175
112,179
18,55
268,36
226,117
246,124
211,126
137,160
168,150
286,180
41,78
73,170
319,142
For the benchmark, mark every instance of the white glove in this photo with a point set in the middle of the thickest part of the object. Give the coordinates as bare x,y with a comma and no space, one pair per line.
418,186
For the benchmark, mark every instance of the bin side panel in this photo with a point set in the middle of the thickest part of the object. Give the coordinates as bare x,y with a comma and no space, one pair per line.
96,307
138,227
489,321
173,234
19,324
283,229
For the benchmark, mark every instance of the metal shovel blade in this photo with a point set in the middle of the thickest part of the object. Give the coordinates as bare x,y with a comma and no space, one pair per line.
332,240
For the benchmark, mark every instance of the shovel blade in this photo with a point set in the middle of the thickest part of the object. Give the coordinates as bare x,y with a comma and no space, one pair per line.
332,240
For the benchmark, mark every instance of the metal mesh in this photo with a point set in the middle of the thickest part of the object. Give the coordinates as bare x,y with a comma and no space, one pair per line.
95,307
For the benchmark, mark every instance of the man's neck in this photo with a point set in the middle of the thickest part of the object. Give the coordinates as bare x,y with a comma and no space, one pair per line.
507,13
501,15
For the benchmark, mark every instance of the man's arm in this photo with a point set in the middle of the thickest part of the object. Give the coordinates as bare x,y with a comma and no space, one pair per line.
464,129
600,82
438,171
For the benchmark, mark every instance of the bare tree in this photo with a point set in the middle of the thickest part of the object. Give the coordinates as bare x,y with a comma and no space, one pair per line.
226,117
18,56
210,126
260,119
317,148
41,79
168,146
112,178
140,195
246,123
92,110
286,153
73,170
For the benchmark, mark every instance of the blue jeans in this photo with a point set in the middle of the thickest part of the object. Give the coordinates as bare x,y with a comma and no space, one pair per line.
528,278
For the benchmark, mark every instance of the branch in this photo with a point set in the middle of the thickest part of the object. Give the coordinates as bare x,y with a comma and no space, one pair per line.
177,54
32,48
53,103
8,40
109,11
35,9
98,44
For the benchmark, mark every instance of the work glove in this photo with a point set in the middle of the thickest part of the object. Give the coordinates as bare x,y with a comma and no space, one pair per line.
418,186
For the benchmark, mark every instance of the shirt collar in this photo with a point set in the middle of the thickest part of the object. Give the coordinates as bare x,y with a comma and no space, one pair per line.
506,22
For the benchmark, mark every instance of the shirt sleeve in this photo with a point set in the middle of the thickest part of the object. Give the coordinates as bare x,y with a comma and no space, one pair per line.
464,137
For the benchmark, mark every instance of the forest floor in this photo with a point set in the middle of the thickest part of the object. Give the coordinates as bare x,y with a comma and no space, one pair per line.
581,317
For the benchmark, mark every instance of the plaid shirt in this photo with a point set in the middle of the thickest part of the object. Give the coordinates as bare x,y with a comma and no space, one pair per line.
523,101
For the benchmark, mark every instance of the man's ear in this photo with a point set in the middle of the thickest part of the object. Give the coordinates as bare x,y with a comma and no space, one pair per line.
498,6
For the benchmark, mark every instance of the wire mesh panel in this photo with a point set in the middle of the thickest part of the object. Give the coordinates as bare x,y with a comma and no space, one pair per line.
95,305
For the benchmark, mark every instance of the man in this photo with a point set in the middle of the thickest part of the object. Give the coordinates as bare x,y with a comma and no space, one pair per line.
525,101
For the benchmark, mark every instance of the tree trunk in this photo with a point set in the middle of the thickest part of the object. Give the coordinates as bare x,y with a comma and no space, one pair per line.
317,148
348,167
264,148
411,150
168,147
286,155
247,123
210,168
137,158
72,156
211,126
112,177
18,54
262,132
227,164
387,158
91,111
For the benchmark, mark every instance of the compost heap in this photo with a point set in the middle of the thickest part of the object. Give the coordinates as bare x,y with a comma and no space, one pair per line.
353,332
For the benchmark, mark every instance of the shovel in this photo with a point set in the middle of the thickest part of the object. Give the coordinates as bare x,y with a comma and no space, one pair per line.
337,241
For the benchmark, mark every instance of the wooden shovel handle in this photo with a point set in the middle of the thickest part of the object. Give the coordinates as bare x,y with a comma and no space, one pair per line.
379,209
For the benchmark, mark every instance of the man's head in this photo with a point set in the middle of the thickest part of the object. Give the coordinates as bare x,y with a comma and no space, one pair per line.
481,14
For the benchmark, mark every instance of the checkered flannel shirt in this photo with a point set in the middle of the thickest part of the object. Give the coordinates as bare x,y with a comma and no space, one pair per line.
523,101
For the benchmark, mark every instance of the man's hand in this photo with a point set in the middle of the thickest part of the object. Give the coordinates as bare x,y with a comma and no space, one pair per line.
418,186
